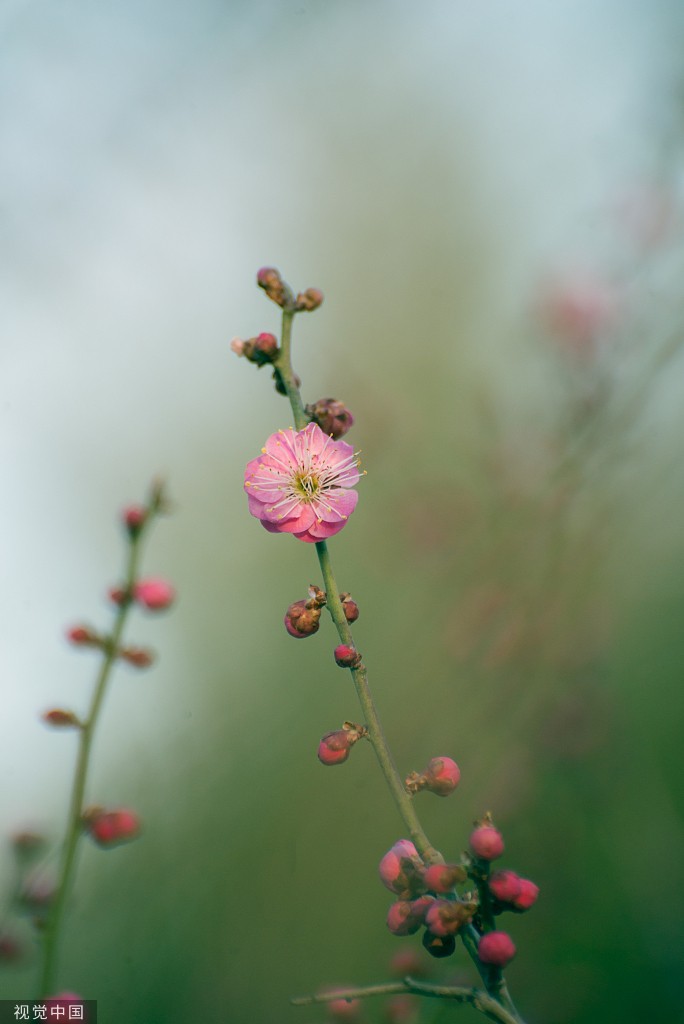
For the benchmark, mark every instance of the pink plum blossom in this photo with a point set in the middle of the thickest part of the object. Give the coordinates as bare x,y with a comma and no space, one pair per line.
300,484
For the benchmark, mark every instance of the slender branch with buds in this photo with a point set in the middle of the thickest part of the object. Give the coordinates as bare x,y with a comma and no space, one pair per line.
303,484
106,827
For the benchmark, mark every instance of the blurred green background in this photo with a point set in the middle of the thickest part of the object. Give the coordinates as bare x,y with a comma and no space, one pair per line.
490,199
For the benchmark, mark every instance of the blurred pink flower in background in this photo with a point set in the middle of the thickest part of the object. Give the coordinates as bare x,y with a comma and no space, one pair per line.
577,309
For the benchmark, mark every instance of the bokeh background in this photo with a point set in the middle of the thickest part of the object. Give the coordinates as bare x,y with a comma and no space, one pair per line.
490,197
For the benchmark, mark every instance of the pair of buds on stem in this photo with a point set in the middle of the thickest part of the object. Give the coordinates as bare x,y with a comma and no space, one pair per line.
302,618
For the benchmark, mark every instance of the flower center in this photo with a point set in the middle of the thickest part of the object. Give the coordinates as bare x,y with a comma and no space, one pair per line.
307,486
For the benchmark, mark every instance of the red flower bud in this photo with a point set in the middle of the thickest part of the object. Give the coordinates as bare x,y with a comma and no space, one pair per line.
134,518
442,775
270,280
527,896
505,886
154,594
309,300
349,607
83,636
401,870
260,350
332,417
486,842
139,657
119,595
443,877
335,746
496,948
109,828
446,917
301,620
405,917
347,657
61,719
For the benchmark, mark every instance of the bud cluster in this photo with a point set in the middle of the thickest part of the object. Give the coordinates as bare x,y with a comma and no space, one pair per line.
260,350
302,618
279,292
428,895
421,889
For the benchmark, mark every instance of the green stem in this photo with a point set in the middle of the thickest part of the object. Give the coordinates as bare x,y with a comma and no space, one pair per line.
360,676
74,827
284,366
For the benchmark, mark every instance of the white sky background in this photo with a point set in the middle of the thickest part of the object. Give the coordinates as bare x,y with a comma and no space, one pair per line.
147,168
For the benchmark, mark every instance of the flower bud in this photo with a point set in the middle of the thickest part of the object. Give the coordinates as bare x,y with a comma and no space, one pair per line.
443,877
496,948
446,917
405,917
441,776
401,869
347,657
270,280
119,595
139,657
134,518
154,594
504,885
332,417
349,607
400,920
335,746
61,719
486,842
437,945
527,896
83,636
109,828
301,620
260,350
308,300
